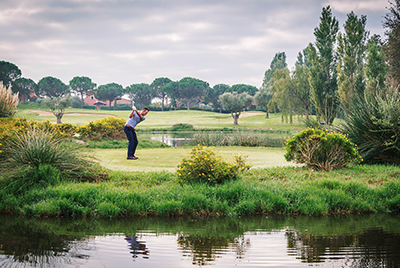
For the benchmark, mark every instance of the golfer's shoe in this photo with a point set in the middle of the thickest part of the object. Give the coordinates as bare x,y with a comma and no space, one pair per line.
132,158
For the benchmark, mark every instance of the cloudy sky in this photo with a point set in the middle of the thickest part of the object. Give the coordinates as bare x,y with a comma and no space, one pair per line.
135,41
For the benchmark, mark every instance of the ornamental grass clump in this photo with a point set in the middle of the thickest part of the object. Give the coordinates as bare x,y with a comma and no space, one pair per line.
38,157
373,123
8,101
321,150
203,165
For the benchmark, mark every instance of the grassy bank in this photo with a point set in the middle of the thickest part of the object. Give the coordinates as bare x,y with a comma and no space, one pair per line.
281,190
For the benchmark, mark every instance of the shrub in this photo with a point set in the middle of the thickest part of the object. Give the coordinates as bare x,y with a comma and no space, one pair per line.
8,101
35,152
373,123
182,127
203,165
109,127
321,150
10,126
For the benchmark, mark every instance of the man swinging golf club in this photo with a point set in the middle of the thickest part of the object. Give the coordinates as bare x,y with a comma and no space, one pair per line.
135,117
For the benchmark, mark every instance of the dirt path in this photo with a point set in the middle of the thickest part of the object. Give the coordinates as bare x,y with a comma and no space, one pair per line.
250,114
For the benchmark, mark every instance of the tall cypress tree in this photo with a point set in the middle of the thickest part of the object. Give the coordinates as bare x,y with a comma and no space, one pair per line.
323,74
392,25
277,63
351,48
375,67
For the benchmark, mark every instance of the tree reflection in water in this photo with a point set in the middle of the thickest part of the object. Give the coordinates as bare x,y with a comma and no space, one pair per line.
352,241
205,250
25,243
137,247
369,248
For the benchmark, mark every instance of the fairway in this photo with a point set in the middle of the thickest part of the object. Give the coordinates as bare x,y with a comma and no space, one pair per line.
166,119
168,158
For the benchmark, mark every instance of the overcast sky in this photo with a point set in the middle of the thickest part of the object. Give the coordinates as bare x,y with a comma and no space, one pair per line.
135,41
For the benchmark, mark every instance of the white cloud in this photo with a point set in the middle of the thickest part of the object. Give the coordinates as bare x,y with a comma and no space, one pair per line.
346,6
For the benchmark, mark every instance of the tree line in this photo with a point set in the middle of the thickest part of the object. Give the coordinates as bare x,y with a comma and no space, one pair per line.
327,77
337,69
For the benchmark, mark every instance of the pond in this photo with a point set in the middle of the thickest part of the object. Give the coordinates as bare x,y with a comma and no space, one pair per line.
176,139
273,241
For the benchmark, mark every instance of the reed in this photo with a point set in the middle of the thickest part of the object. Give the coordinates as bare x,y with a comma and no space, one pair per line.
235,138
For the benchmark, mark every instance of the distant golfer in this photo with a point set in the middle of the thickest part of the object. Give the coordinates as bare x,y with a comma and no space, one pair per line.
135,117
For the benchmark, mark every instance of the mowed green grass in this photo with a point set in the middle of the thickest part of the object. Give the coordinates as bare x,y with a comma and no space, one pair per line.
166,119
168,158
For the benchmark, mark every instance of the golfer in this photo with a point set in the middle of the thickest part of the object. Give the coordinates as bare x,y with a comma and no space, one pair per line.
135,117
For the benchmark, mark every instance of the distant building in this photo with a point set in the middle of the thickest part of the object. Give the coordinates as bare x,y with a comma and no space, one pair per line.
31,96
91,100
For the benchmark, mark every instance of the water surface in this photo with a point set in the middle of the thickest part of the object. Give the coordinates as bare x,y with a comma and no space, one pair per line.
177,139
345,241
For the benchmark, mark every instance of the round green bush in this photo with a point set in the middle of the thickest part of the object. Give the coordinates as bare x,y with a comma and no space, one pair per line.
322,150
205,166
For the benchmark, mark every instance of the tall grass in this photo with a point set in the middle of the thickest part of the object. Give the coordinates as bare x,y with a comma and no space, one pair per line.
236,138
8,101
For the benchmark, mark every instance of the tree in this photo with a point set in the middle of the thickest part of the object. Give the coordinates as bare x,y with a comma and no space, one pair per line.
375,67
277,63
8,72
323,75
241,88
140,94
291,92
158,87
235,103
109,92
351,48
58,105
392,25
172,90
262,98
214,93
82,85
301,88
282,93
302,59
191,89
51,87
24,86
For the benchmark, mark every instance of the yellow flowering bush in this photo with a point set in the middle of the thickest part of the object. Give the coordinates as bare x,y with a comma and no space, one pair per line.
321,149
204,165
10,126
109,127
